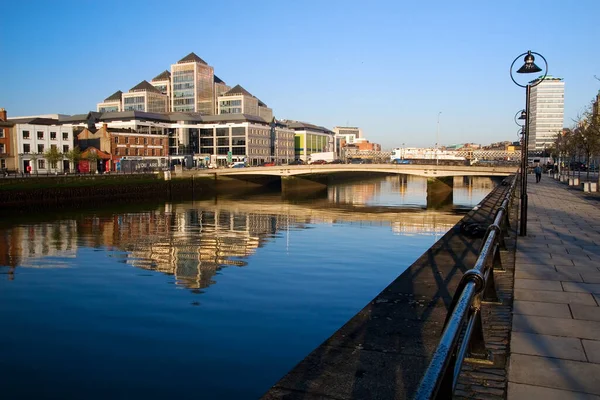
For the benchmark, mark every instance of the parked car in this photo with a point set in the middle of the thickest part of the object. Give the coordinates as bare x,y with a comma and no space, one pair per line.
338,161
237,164
319,162
296,162
269,164
400,161
577,166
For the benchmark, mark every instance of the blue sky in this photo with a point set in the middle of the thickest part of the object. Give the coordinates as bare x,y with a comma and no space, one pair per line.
388,67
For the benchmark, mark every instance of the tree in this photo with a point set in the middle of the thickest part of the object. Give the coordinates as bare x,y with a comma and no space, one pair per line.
92,157
52,156
73,155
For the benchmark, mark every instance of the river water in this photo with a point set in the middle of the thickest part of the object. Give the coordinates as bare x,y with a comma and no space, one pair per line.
213,299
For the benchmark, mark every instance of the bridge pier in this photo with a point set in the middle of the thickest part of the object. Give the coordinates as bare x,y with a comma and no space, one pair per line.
440,192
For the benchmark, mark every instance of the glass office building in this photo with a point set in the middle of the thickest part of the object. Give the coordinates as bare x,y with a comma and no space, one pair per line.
193,87
547,110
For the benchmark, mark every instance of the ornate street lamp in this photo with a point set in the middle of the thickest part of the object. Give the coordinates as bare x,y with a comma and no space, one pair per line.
528,67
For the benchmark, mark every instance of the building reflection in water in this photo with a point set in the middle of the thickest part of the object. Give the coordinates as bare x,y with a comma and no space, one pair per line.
193,241
408,191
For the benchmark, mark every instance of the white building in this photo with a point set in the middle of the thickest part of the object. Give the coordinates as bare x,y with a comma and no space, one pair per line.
32,137
546,108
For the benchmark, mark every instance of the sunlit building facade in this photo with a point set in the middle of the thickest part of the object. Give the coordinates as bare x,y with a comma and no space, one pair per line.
239,101
547,108
162,83
145,97
113,103
193,87
310,139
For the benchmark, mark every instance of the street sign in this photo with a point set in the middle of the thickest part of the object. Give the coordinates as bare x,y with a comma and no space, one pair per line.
229,158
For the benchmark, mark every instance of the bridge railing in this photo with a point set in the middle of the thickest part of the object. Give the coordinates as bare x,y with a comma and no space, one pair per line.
463,330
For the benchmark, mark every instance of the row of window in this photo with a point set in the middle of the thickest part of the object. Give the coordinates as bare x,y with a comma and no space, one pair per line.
125,140
40,148
138,152
40,135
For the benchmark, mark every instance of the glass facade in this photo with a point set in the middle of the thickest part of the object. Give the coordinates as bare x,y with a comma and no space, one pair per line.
108,109
193,88
547,103
134,103
230,106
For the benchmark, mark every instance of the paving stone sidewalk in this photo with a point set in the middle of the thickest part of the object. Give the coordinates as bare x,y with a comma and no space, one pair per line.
555,341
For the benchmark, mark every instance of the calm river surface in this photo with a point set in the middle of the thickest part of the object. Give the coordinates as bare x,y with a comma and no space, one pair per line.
212,299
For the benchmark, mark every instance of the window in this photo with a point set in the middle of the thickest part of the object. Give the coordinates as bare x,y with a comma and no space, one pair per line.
25,134
40,148
137,140
1,132
52,135
2,163
116,152
40,135
65,135
41,164
145,140
116,140
2,150
65,148
26,148
126,139
127,151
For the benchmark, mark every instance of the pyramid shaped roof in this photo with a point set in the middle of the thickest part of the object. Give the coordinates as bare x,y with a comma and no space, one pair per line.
144,85
237,89
115,96
163,76
192,57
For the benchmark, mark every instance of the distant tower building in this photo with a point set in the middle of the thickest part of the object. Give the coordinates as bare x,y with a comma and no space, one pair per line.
112,103
162,82
144,97
193,86
547,110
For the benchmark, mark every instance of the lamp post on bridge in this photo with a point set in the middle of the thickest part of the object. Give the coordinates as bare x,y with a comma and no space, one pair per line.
437,140
527,68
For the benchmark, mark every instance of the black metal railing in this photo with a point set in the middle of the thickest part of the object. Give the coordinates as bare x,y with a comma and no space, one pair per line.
463,329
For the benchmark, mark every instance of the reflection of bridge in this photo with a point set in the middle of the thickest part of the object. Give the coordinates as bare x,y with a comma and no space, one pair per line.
433,171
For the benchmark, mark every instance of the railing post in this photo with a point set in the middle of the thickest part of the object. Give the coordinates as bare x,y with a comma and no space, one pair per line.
477,347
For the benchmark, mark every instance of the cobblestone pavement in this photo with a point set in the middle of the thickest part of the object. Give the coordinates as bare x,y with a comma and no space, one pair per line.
555,340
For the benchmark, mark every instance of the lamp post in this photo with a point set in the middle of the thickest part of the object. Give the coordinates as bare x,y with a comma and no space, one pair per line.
527,68
437,140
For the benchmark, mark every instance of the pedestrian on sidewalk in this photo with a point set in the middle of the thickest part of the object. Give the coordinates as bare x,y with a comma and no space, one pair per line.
538,173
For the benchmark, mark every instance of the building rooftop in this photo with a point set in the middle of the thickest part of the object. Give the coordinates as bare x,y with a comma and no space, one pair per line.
299,126
233,118
237,90
129,115
163,76
116,96
547,78
144,86
92,115
34,121
217,79
192,57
